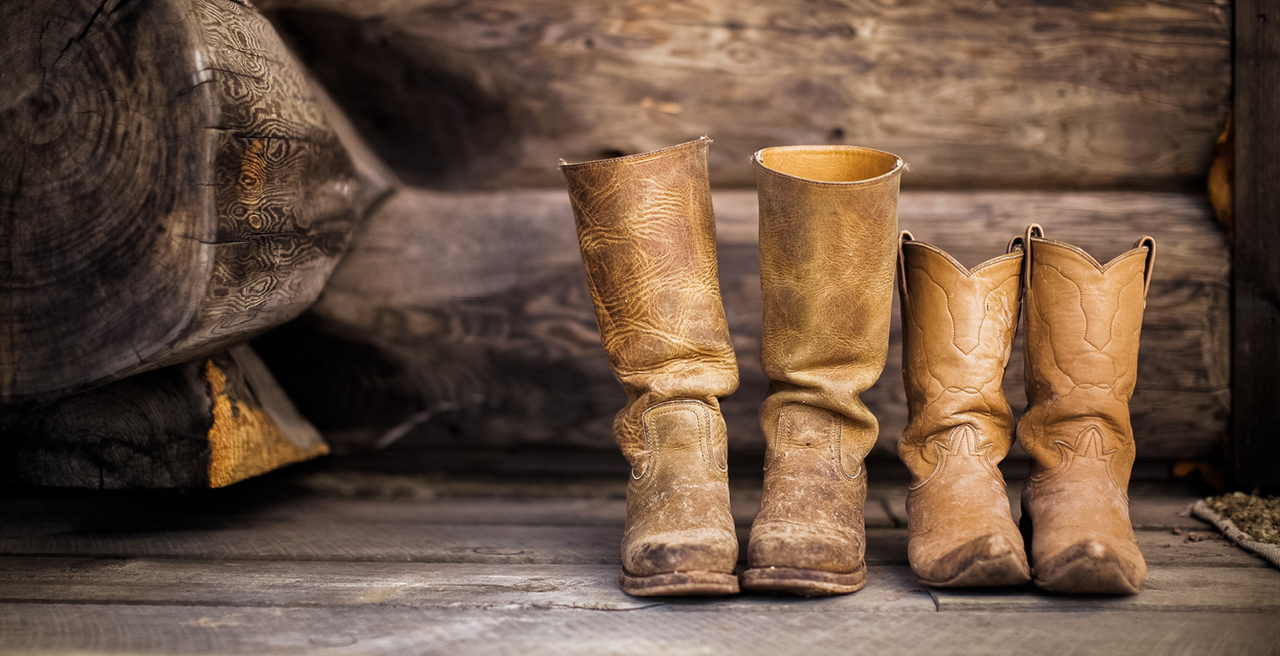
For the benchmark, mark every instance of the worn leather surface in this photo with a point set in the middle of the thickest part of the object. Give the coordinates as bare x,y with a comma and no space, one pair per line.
958,326
647,234
1082,330
828,234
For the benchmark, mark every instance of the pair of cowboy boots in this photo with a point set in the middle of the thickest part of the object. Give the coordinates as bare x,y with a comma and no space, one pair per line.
1081,331
828,227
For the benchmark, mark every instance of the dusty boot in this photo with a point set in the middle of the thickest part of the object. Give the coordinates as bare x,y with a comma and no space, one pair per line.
1082,326
828,239
957,333
647,235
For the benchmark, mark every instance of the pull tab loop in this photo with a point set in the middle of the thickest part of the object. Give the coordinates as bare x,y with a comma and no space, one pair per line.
1148,243
903,237
1033,230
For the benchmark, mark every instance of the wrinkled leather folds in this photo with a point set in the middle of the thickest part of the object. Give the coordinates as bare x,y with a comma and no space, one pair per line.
1083,322
828,229
647,234
957,328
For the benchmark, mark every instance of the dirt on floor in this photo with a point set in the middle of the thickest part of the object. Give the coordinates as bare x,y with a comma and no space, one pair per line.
1256,515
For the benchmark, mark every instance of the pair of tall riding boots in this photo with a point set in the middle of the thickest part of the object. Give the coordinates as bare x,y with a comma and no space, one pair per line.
828,245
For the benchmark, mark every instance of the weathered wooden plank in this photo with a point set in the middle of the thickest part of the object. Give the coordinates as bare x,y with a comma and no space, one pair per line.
206,423
458,586
689,628
348,539
1256,283
432,585
1072,94
419,316
1204,589
297,584
171,188
446,510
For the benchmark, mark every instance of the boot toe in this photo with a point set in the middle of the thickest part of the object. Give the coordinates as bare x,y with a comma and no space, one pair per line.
989,560
1093,567
786,545
699,549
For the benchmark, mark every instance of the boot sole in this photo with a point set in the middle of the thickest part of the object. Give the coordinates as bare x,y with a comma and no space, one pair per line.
678,584
803,582
1005,570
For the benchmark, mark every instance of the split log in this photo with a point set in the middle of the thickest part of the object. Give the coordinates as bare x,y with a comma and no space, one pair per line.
206,423
464,318
1020,93
169,186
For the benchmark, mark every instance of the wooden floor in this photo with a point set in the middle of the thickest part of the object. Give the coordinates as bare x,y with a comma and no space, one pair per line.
315,560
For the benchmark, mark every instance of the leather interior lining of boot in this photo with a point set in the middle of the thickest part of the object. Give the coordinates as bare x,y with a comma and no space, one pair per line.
830,164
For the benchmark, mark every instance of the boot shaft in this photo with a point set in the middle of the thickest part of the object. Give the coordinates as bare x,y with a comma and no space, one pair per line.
1083,323
647,234
828,224
957,335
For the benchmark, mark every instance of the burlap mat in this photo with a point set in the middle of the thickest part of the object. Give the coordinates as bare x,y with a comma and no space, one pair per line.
1269,551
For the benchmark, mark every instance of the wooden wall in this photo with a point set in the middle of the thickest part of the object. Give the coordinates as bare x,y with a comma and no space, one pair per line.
461,315
1005,93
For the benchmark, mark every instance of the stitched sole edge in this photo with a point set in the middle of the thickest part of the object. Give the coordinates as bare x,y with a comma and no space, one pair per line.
678,584
803,582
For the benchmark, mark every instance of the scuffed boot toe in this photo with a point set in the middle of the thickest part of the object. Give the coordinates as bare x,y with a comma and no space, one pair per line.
803,561
685,562
987,561
1091,567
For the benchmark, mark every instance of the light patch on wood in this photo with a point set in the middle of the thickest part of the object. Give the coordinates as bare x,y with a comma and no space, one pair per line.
245,441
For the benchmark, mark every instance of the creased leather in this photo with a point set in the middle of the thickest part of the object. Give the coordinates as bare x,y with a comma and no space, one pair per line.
828,228
958,327
647,234
1083,322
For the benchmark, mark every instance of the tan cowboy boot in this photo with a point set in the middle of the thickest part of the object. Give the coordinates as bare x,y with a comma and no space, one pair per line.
957,334
647,235
1082,326
828,227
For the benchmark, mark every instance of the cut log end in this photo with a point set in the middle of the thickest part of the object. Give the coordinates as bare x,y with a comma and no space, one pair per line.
206,423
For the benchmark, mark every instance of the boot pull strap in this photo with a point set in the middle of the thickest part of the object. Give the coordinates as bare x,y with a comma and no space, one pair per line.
1033,230
904,237
1148,243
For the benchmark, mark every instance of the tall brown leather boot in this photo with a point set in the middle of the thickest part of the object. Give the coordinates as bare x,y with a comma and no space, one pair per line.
1082,326
647,235
957,333
828,229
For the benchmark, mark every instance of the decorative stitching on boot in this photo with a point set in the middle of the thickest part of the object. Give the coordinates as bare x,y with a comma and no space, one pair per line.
962,442
698,409
1089,445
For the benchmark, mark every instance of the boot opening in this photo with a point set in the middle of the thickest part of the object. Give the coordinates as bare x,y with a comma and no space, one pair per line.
830,163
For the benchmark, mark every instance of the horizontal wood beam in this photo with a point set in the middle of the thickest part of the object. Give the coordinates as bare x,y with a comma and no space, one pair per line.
1027,94
464,319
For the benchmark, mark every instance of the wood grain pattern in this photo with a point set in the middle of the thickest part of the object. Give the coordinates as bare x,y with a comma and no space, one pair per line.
311,536
206,423
674,628
477,301
170,186
490,93
255,584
